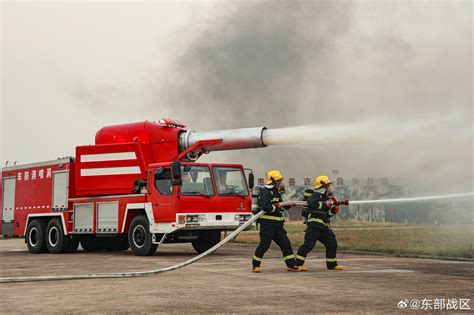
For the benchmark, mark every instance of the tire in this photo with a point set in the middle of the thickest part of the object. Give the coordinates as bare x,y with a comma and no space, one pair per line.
206,240
35,237
91,244
116,243
140,238
56,241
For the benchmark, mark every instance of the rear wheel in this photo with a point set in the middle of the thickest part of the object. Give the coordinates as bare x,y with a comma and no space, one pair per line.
206,240
56,241
140,238
35,237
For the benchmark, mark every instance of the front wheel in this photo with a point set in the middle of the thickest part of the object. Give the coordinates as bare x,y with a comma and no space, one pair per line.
206,240
140,238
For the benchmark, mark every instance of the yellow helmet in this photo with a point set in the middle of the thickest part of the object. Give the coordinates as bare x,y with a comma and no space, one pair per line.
322,180
273,175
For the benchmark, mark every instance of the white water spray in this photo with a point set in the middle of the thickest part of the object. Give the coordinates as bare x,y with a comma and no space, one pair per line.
311,134
382,131
413,199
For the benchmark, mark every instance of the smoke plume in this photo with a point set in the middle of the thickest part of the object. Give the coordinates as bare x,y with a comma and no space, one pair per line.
382,89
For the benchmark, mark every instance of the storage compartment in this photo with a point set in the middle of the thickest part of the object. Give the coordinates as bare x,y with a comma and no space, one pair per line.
84,218
107,217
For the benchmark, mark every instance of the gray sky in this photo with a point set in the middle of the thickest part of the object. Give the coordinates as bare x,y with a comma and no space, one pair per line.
398,68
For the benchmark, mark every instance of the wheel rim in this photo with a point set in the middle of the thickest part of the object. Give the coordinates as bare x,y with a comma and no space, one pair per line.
139,236
53,236
33,237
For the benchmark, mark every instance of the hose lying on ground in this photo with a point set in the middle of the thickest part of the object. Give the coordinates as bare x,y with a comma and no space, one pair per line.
134,273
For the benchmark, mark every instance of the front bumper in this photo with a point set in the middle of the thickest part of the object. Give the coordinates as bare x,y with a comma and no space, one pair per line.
212,221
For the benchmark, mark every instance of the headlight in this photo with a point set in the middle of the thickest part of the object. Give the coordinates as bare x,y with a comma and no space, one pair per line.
242,217
192,218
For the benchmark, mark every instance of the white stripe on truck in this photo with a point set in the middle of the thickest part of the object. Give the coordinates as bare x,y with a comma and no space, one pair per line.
111,171
108,157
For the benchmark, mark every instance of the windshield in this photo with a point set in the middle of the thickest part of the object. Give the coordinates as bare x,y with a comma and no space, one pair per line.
196,181
230,181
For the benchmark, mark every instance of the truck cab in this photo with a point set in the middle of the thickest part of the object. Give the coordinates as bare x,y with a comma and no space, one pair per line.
191,202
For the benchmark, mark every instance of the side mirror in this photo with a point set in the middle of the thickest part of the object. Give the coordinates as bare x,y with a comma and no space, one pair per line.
176,173
251,181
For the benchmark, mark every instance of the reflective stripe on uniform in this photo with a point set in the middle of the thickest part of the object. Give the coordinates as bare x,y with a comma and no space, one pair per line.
275,199
289,257
300,257
320,205
273,208
316,220
307,194
256,258
270,217
331,259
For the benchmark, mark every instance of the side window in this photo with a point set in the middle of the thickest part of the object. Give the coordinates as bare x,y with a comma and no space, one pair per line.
163,182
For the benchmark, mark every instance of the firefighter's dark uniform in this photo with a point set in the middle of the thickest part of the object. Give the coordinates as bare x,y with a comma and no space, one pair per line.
271,227
305,212
319,229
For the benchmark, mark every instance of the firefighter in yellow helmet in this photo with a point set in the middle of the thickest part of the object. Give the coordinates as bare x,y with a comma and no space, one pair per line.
322,205
271,222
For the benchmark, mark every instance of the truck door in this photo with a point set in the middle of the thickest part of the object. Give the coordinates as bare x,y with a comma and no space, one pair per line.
162,195
8,207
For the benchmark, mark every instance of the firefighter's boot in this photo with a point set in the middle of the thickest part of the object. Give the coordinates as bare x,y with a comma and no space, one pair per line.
337,268
293,268
301,268
256,269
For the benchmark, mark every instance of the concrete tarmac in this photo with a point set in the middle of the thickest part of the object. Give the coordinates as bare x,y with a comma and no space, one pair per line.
224,283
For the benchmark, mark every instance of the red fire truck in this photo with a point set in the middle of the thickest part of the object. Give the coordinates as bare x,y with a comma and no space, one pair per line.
137,187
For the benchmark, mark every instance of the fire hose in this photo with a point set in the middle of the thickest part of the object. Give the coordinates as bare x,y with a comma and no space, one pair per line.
215,247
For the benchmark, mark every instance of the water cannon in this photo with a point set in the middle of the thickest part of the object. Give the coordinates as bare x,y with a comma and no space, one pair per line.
232,139
169,139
